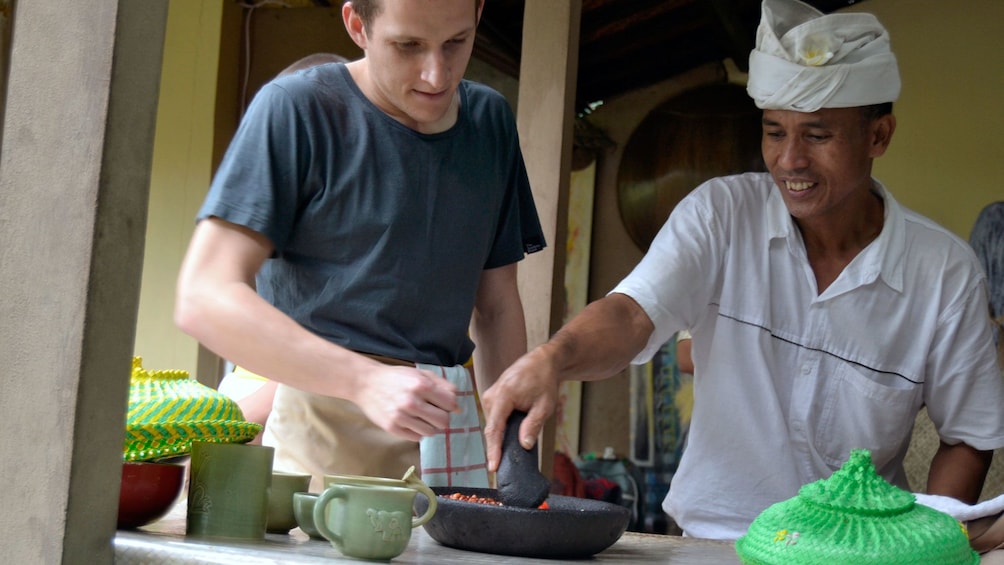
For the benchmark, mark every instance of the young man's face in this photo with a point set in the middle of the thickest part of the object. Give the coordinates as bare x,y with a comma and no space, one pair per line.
822,161
417,52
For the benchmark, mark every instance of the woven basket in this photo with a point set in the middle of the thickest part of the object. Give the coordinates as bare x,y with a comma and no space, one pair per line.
854,517
168,410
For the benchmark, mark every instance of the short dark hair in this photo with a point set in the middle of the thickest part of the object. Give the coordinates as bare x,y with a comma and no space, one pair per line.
368,10
876,111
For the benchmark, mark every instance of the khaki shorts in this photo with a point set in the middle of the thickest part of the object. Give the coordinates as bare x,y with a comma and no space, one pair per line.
322,435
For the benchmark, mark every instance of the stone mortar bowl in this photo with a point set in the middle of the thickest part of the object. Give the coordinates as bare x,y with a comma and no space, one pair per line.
570,528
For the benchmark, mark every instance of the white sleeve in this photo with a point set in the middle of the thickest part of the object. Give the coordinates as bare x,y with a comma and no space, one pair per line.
676,279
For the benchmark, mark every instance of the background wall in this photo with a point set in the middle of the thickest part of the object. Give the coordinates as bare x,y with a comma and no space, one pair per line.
182,163
280,36
946,160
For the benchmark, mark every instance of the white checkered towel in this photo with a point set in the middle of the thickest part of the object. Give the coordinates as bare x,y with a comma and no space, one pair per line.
456,455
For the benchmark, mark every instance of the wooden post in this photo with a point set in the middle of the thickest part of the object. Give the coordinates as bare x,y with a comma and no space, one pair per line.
545,118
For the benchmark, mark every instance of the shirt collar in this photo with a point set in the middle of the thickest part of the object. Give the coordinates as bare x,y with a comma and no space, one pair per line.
888,249
779,222
882,258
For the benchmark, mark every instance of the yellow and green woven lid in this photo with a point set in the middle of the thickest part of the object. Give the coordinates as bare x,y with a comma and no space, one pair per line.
854,517
168,410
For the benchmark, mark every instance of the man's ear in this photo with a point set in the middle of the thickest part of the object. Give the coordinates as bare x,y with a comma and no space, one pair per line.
481,8
354,25
881,134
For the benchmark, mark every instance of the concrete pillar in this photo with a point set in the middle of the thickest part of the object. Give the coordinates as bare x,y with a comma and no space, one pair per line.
74,178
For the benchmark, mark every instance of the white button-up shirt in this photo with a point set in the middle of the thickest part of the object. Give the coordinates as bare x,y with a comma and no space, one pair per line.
788,380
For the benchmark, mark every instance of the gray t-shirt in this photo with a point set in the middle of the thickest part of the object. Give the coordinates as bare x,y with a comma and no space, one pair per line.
380,232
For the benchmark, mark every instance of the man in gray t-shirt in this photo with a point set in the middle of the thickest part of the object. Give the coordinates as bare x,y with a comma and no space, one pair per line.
362,213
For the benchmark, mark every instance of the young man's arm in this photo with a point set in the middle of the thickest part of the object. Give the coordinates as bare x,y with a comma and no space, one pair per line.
498,325
217,305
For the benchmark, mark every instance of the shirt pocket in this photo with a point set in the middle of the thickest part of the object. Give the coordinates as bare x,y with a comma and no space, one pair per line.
860,413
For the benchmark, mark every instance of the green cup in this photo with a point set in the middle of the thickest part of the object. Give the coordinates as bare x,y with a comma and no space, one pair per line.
228,490
368,521
280,500
409,480
303,510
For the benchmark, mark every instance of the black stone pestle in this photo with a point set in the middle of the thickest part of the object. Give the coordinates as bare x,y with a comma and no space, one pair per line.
520,482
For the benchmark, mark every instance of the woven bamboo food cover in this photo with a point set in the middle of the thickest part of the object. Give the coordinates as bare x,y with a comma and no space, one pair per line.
854,517
168,410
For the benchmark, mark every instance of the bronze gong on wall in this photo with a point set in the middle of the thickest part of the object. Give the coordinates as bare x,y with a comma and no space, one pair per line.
702,133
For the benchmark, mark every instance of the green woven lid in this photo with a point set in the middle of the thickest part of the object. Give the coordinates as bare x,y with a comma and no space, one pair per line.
168,410
854,517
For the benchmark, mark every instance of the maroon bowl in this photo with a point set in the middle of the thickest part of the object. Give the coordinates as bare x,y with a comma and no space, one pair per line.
148,492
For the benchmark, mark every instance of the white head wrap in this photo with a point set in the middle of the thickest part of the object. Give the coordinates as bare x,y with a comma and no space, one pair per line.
805,60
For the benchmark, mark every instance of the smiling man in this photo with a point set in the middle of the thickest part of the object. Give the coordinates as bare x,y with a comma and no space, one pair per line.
359,238
824,315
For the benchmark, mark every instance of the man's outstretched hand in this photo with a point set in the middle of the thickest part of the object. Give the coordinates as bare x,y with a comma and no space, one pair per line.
529,385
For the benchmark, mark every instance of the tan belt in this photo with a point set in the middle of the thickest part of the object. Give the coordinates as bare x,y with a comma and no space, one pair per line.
387,360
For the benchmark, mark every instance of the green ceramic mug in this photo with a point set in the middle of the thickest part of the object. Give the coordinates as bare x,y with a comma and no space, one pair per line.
368,521
228,490
408,480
